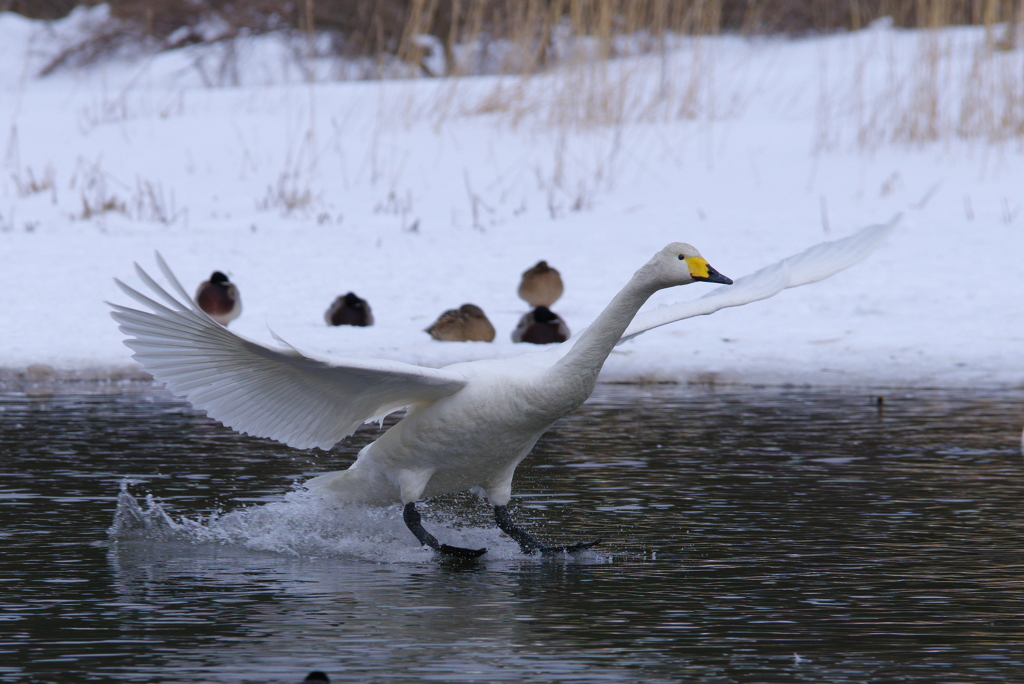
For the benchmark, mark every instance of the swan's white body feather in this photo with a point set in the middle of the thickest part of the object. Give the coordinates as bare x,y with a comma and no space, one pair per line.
468,424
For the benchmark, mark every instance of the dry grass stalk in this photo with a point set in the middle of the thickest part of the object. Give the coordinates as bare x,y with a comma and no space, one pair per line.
286,195
28,184
149,203
100,206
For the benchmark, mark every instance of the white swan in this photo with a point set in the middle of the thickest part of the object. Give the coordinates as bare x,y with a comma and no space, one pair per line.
469,424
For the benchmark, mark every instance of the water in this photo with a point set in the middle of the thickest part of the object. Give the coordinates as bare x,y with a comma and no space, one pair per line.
750,535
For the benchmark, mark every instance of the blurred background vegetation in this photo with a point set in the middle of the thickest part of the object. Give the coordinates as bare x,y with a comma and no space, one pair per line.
421,33
395,28
380,24
926,97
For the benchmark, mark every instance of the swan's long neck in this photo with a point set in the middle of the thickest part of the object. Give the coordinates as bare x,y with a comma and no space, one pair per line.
583,362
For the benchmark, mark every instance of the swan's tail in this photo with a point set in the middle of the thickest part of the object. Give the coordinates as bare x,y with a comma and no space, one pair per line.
361,484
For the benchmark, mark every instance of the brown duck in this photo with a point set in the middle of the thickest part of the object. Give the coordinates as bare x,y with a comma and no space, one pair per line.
541,285
468,323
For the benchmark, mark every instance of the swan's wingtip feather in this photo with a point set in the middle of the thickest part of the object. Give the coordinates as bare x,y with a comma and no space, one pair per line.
881,231
127,289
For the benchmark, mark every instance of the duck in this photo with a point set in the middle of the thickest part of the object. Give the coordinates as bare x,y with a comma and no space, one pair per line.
468,323
541,326
317,677
349,309
541,285
219,298
468,425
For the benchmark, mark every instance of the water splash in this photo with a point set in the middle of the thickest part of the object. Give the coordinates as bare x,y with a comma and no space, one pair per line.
134,521
302,524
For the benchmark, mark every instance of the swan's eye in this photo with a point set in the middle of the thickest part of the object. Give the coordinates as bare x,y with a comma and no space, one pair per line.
681,257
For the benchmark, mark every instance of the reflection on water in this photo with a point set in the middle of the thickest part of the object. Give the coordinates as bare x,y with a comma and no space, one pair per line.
751,535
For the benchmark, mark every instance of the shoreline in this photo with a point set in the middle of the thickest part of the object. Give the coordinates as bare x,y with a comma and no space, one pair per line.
42,376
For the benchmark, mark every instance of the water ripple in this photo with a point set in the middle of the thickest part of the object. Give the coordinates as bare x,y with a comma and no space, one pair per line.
751,535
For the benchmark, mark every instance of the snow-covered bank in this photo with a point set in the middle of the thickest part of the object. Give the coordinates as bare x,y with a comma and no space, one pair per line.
422,195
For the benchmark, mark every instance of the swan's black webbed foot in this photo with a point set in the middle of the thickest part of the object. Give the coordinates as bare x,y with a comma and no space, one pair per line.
527,543
412,521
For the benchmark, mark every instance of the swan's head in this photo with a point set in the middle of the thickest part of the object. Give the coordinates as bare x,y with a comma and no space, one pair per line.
679,264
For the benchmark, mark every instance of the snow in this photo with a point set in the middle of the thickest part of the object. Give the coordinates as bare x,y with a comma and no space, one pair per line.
423,194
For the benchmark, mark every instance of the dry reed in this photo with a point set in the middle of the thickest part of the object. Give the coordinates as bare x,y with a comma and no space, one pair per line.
504,36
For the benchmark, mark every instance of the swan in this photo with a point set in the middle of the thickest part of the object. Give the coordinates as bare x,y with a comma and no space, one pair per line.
468,425
349,309
541,285
468,323
219,298
541,326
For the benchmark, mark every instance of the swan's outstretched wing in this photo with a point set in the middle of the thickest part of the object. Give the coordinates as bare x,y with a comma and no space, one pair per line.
814,264
301,400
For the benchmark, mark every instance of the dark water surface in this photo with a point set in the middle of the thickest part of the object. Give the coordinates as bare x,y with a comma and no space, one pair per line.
751,535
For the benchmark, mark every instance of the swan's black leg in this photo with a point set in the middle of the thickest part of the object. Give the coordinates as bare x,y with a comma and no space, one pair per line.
412,521
527,543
